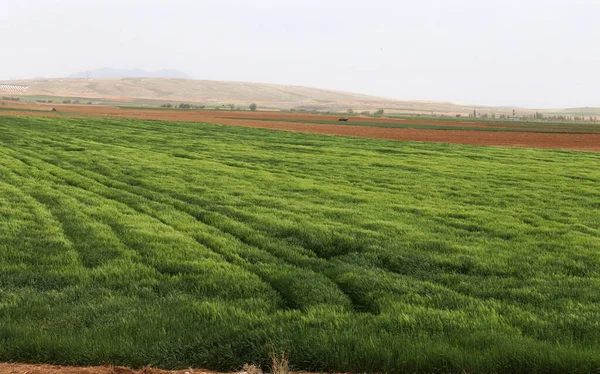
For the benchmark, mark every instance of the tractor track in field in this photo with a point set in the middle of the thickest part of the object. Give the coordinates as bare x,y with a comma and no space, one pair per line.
281,121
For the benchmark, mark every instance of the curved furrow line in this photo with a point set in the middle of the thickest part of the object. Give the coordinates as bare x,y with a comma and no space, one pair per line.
275,250
287,255
51,243
318,266
226,256
49,196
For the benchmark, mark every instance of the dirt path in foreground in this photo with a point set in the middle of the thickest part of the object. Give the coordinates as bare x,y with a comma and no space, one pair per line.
51,369
582,142
8,368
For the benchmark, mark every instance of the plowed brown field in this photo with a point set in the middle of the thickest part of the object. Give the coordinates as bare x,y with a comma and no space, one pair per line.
573,141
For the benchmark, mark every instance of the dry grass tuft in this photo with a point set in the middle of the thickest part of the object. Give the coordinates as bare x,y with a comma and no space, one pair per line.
280,364
251,369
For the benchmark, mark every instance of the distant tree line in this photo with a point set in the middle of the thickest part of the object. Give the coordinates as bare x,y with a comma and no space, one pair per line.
253,107
182,106
536,116
10,98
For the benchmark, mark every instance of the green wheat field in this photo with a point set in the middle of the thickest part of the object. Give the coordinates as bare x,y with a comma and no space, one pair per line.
182,245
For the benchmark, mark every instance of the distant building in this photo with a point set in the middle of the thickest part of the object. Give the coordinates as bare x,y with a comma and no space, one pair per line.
12,88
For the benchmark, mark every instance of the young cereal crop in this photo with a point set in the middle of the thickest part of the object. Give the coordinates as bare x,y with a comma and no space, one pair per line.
183,244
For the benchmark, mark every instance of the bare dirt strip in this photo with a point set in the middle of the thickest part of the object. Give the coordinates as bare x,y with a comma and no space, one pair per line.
11,368
51,369
573,141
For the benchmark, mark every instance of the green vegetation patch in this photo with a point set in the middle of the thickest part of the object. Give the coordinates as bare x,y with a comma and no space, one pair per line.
13,109
177,244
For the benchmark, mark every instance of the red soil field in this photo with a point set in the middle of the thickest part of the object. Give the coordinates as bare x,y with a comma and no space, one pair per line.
583,142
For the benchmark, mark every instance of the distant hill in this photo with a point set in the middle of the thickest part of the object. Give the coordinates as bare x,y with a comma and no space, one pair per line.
154,91
202,91
129,73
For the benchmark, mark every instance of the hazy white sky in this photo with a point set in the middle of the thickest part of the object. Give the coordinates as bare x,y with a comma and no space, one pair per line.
535,53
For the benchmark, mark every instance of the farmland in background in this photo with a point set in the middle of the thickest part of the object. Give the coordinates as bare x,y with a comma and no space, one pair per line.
450,124
536,134
181,244
144,92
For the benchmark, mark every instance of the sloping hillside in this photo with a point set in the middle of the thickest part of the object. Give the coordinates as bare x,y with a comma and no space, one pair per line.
200,91
243,93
